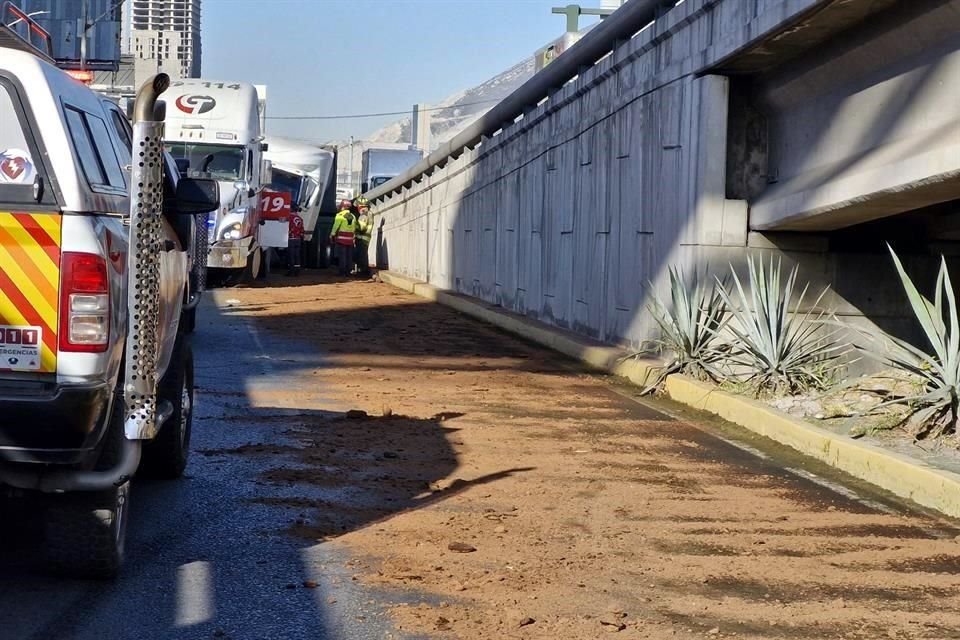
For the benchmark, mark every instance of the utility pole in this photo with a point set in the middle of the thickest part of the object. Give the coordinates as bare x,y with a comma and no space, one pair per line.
420,128
86,24
83,34
351,162
574,11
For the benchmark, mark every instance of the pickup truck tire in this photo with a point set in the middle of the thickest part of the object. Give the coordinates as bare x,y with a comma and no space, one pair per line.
188,320
85,531
166,455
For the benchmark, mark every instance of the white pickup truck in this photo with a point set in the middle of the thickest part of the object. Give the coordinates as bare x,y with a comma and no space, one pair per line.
96,369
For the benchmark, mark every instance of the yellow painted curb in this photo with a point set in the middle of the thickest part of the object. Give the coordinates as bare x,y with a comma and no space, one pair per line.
900,475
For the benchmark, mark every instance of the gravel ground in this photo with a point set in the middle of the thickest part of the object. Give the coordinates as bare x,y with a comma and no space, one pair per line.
368,465
502,492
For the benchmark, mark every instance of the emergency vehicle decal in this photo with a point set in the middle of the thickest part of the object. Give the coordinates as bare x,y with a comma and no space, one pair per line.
29,286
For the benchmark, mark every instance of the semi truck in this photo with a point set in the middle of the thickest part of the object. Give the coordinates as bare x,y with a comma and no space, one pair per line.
213,130
382,165
309,173
96,367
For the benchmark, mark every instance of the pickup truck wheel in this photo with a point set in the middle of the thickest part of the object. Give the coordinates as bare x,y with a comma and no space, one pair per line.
188,320
85,531
166,455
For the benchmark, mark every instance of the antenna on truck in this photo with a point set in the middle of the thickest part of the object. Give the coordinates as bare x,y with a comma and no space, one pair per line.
21,32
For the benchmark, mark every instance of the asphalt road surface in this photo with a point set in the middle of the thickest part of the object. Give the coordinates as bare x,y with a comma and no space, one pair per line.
203,559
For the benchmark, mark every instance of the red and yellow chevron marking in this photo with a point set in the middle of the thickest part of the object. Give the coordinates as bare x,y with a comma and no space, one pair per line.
30,277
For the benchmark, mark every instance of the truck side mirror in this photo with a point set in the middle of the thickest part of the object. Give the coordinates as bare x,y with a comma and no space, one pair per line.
197,195
264,146
363,187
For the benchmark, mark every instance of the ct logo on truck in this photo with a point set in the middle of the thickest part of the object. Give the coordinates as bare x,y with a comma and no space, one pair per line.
195,104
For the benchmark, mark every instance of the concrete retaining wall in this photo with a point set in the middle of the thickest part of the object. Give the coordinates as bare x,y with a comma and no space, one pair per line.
567,214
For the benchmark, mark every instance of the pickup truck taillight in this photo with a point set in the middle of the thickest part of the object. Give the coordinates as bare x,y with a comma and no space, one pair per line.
84,303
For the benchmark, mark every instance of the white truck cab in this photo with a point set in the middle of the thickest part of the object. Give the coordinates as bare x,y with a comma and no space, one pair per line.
213,130
309,173
96,371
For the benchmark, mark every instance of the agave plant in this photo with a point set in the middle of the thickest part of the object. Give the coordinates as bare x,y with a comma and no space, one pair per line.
775,349
934,410
689,326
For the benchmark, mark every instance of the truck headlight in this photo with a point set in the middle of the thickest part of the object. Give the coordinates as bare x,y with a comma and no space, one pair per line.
231,232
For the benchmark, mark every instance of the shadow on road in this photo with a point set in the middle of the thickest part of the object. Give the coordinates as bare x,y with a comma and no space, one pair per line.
343,471
237,548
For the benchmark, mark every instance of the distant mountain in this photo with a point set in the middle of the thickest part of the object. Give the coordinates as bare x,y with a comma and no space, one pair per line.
458,111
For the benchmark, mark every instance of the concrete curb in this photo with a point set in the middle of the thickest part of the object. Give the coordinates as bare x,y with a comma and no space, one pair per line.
903,476
898,474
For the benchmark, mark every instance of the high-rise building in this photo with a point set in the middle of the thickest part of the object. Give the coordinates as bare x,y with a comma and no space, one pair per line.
163,35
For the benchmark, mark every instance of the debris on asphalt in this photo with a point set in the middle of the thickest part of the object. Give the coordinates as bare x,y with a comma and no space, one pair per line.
577,495
613,625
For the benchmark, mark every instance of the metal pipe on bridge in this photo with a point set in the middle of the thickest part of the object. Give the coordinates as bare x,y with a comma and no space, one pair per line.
598,42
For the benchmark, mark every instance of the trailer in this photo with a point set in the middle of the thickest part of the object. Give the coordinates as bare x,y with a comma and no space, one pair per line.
381,165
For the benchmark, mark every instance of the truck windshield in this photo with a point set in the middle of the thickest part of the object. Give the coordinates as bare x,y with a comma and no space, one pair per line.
287,182
209,160
379,180
301,188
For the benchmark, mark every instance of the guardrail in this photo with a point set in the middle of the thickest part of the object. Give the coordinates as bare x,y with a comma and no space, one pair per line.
621,25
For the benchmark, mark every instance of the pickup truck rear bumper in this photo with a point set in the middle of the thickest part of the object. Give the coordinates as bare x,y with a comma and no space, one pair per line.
52,424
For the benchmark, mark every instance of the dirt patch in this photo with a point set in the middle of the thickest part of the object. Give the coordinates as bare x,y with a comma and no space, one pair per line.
588,514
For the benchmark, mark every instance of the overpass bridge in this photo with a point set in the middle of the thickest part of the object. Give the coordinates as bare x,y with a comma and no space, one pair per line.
694,133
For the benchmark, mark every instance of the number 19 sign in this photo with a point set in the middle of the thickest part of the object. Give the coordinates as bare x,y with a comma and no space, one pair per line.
275,205
275,218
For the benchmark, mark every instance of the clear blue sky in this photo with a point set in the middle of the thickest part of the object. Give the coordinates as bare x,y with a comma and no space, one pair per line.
331,57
